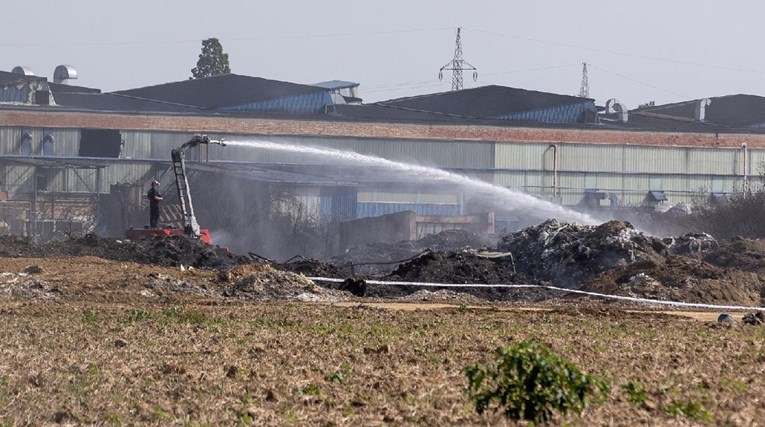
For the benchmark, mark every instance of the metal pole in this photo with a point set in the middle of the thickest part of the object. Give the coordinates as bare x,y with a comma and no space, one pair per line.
746,165
555,169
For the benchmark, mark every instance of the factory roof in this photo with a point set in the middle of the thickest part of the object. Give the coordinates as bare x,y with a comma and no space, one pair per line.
7,78
57,88
116,103
483,102
220,91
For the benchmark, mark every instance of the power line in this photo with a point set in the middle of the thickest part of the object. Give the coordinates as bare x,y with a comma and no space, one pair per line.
232,39
613,52
637,81
524,70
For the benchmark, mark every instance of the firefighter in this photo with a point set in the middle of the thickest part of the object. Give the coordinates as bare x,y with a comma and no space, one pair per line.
154,199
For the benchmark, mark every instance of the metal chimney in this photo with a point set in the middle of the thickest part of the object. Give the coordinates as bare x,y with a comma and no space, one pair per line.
63,74
610,105
701,106
20,69
622,110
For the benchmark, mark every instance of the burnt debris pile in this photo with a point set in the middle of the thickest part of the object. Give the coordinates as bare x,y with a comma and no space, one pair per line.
383,258
611,258
568,255
164,251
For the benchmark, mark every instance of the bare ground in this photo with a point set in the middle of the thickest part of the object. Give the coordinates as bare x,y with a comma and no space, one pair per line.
93,341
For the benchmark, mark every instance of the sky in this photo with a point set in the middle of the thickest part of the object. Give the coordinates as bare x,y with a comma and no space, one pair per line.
637,51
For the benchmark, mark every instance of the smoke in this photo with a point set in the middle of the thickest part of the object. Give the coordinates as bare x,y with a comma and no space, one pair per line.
247,212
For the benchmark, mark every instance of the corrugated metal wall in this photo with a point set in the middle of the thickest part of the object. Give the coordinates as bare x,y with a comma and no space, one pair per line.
682,172
442,154
569,113
67,141
21,95
367,209
310,103
628,171
406,197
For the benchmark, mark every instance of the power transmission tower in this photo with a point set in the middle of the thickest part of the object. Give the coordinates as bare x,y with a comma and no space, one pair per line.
457,65
584,89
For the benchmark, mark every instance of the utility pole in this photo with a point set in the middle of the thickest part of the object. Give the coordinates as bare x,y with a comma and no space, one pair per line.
584,89
457,65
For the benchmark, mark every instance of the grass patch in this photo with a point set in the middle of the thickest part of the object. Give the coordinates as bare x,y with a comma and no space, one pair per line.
692,410
138,314
341,375
636,394
311,389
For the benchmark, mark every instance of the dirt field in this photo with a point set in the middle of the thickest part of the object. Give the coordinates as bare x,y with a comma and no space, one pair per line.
95,341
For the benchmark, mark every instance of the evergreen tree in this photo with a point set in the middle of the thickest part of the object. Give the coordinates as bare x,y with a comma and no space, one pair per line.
212,60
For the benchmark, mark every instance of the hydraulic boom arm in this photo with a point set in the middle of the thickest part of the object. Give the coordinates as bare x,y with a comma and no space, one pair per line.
190,225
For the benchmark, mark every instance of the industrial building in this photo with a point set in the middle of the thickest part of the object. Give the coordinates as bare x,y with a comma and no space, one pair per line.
75,157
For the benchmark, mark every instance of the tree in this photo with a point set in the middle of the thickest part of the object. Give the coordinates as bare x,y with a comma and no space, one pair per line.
212,60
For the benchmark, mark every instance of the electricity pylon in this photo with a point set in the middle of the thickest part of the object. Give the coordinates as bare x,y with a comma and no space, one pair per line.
457,65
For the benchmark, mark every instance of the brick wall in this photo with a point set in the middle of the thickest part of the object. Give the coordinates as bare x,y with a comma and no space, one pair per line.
303,127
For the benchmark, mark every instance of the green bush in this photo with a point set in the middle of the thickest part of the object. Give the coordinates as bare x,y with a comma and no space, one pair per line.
530,382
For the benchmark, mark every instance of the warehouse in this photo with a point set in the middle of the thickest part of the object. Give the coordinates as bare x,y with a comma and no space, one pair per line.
59,142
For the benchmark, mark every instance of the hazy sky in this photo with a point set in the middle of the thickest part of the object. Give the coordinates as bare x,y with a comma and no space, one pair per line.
637,51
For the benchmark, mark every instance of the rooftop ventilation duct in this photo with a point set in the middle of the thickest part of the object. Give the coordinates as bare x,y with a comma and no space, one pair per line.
610,105
20,69
621,109
701,106
63,74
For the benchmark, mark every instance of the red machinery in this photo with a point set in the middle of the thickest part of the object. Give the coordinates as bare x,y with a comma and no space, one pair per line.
190,226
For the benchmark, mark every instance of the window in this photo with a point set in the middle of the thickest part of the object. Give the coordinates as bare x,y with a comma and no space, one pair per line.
43,177
590,181
717,185
47,143
654,183
26,142
100,143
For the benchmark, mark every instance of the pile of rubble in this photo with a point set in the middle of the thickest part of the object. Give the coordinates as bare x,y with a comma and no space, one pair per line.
171,251
263,282
570,255
757,318
612,258
383,258
26,285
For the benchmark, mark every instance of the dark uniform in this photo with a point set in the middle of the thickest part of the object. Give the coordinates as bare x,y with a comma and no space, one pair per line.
154,198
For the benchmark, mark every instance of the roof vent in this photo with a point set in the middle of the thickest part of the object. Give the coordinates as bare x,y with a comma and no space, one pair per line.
63,74
701,106
610,105
621,109
20,69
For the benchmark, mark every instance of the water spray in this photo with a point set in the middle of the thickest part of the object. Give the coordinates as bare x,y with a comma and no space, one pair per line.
522,200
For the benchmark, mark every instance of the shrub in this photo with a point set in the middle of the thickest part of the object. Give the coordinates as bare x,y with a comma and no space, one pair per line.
530,382
739,216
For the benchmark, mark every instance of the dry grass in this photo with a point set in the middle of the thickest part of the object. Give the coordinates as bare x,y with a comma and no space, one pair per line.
215,363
